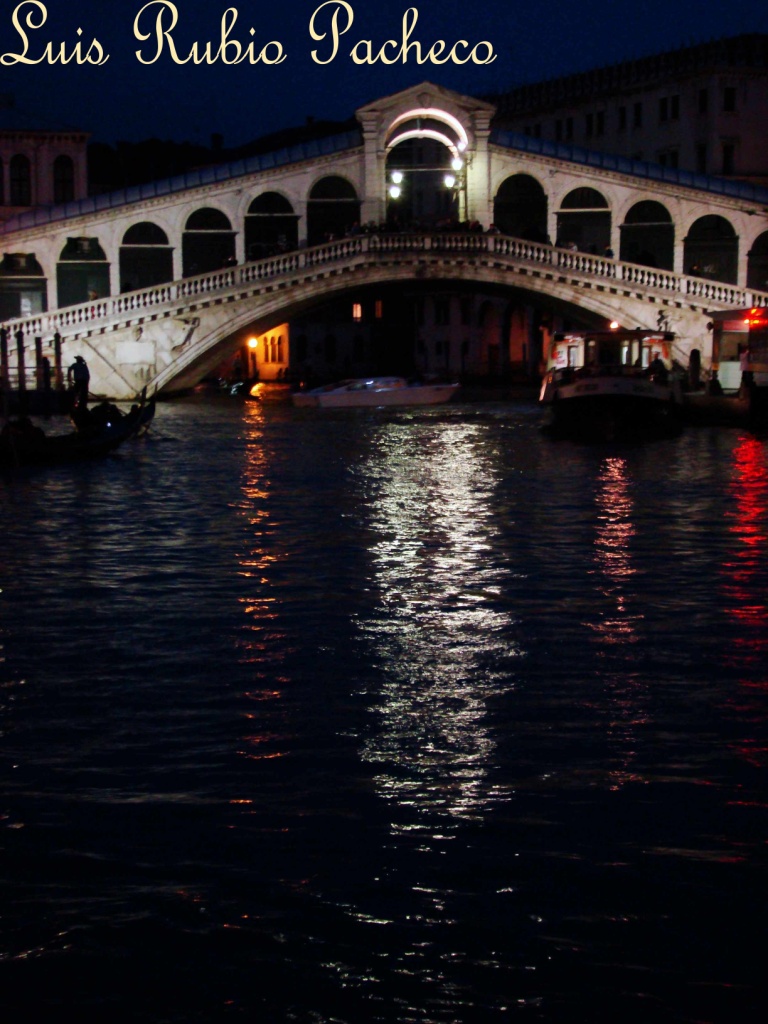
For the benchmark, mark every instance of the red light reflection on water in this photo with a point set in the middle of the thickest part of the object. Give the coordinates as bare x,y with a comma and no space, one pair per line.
744,571
746,601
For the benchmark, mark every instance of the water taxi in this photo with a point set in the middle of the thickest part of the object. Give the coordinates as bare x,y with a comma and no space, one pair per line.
610,384
375,391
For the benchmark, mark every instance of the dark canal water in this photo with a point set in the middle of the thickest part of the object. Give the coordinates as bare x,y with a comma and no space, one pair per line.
385,717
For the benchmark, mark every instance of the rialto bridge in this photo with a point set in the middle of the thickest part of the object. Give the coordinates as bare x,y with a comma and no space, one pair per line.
154,284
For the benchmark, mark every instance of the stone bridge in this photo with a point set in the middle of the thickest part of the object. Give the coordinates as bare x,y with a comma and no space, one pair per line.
684,245
170,336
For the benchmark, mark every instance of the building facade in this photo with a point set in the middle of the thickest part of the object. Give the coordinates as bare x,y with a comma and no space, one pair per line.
701,108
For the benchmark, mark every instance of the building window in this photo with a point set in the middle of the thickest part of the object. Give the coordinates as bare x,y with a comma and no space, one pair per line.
729,153
600,122
729,98
668,158
63,179
21,185
622,119
663,109
589,126
637,115
537,131
701,158
357,311
558,131
378,309
569,128
703,101
674,108
442,311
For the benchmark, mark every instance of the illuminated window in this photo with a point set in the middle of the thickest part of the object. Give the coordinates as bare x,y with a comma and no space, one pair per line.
357,311
378,309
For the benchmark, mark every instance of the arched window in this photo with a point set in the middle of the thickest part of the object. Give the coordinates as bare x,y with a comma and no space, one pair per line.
271,226
711,249
584,221
208,242
63,179
332,209
21,181
520,208
23,290
82,273
648,236
146,258
757,264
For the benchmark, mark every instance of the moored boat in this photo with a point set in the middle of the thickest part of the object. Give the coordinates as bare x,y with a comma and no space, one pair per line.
375,391
611,384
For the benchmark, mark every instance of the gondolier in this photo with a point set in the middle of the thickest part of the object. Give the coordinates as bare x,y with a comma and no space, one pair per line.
78,377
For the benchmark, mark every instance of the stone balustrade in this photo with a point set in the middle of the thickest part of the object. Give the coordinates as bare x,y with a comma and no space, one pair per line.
185,296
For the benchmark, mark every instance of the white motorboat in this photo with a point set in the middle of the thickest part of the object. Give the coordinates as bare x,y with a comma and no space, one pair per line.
375,391
606,384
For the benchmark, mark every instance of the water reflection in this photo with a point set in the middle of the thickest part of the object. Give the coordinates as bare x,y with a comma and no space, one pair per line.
613,535
440,634
744,572
625,698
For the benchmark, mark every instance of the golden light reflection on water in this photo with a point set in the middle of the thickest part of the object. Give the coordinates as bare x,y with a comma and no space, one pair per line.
261,643
614,532
441,633
625,697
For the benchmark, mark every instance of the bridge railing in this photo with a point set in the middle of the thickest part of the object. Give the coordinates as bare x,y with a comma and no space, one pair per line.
130,306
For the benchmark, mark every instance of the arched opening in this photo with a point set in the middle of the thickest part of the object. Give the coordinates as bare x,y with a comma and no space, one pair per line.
63,179
757,264
207,243
648,236
423,188
711,249
584,221
146,258
333,209
22,286
82,273
271,226
21,181
520,208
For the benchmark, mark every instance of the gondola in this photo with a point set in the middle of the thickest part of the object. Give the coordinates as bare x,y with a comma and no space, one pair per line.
98,432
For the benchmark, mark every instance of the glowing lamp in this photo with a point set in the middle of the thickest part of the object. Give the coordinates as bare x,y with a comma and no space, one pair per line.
394,191
397,177
457,163
449,180
614,325
252,342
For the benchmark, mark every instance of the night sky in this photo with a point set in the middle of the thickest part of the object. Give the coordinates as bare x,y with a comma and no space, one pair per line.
123,99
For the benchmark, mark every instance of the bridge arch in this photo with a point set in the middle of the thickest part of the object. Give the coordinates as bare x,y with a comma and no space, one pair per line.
207,242
82,271
757,263
271,225
333,208
23,287
711,249
520,208
145,257
584,220
648,235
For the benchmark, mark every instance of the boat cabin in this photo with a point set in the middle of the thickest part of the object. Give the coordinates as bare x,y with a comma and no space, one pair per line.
740,344
622,351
